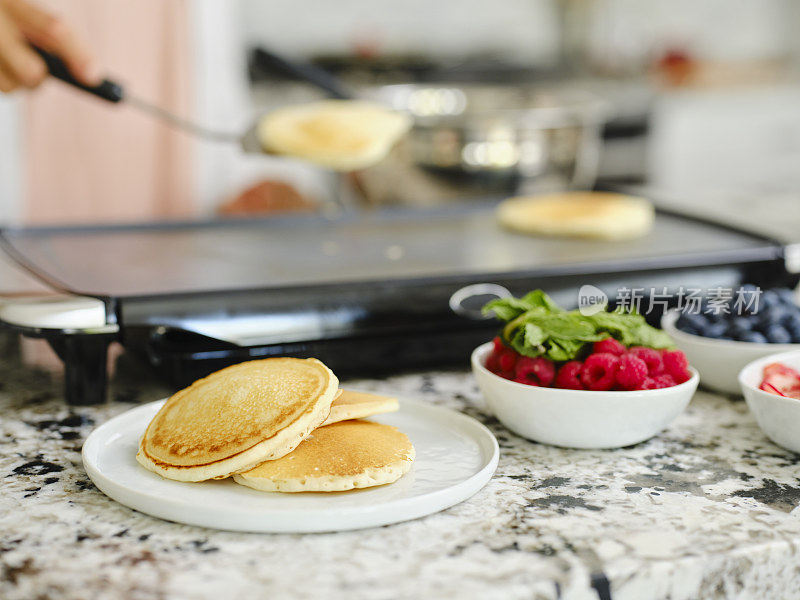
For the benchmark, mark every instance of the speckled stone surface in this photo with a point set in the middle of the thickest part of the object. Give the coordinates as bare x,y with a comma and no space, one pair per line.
708,509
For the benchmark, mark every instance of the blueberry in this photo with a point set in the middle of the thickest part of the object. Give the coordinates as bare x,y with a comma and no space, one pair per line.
790,320
778,335
741,325
794,331
691,321
715,330
734,332
754,336
787,296
714,317
770,317
769,299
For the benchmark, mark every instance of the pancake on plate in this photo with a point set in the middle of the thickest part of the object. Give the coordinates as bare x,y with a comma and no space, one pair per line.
343,135
600,215
237,418
335,458
357,405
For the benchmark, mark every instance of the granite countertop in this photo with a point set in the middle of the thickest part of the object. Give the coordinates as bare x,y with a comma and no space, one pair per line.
705,510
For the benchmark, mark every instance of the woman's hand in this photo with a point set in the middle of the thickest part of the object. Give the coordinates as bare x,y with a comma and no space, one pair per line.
23,23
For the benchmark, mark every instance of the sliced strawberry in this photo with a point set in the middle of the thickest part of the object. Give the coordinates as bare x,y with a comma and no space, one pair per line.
781,378
768,387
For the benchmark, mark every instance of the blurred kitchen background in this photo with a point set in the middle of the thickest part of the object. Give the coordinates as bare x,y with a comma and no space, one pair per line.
697,99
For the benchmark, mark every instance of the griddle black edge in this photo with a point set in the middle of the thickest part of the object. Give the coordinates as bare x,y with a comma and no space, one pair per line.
440,340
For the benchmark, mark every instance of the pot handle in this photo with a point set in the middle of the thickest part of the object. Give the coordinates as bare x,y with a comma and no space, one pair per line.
460,299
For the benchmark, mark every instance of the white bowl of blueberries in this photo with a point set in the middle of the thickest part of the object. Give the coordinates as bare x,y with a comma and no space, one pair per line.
719,343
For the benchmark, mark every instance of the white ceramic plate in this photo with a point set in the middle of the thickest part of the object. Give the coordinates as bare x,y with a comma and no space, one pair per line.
456,457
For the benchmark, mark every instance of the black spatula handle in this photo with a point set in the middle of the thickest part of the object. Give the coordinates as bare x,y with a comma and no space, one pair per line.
106,89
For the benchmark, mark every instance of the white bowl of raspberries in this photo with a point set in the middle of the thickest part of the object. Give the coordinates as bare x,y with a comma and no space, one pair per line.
616,396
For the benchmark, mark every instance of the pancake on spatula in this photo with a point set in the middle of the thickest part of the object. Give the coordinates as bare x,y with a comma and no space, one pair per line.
344,135
335,458
357,405
238,417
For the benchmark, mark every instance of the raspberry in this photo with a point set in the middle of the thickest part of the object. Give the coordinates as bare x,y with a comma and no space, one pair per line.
498,345
569,376
658,382
534,371
665,380
507,360
655,366
492,363
631,373
599,371
609,345
676,365
493,360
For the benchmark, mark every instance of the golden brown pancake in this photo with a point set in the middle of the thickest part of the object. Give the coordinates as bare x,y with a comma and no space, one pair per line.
344,135
334,458
357,405
600,215
237,418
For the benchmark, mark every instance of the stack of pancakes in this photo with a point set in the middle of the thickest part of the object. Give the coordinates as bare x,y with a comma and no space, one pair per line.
278,424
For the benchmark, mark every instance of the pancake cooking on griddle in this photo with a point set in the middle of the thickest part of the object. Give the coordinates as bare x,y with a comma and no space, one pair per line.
599,215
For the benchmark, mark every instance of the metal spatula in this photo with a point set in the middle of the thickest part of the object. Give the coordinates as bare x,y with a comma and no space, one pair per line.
114,92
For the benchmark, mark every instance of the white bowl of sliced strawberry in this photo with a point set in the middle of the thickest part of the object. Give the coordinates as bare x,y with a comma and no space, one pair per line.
563,378
771,388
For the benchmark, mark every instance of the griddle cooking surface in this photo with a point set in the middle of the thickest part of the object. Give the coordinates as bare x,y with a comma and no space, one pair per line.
296,251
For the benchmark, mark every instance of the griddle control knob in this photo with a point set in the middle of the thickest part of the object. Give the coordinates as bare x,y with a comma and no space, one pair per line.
469,300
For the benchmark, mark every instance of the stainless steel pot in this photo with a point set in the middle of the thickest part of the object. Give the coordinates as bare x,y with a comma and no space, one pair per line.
547,139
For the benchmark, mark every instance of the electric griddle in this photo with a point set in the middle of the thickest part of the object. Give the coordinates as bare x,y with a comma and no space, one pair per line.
364,292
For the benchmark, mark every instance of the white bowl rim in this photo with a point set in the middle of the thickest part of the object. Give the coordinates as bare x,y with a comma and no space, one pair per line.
670,317
477,363
760,362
